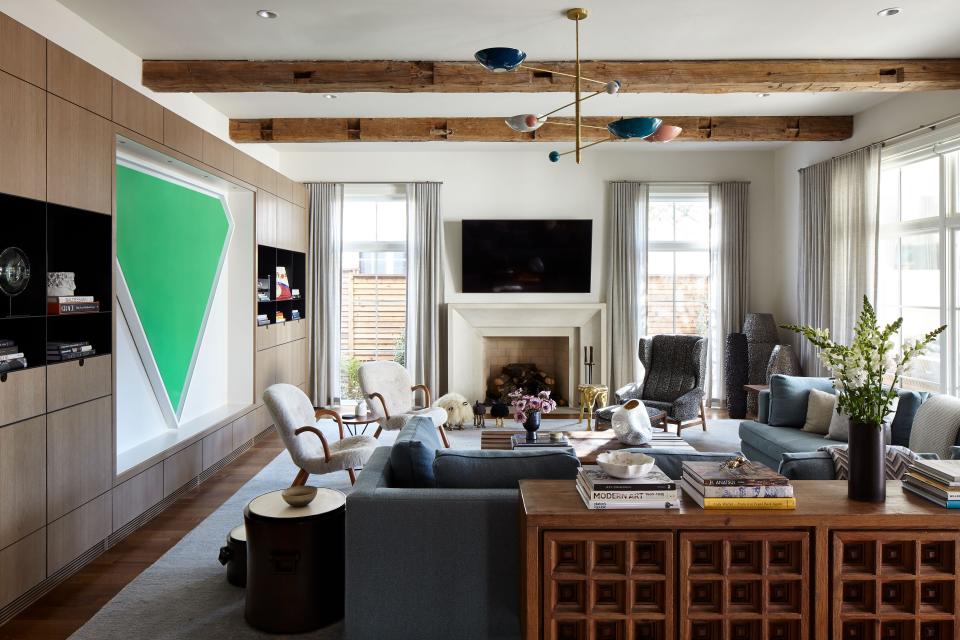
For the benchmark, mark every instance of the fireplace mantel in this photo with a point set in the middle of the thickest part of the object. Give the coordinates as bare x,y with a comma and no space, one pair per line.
585,324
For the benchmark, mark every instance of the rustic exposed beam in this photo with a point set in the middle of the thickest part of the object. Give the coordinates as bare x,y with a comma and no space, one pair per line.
704,128
681,76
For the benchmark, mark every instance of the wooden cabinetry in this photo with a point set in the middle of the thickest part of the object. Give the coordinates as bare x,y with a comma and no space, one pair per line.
23,395
266,218
77,381
23,476
266,178
832,568
78,81
80,154
79,455
265,373
137,112
136,495
217,446
267,336
217,153
78,531
250,425
23,144
22,52
246,168
22,566
182,135
182,467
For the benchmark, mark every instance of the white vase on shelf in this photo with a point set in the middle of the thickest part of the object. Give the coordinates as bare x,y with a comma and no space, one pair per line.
631,424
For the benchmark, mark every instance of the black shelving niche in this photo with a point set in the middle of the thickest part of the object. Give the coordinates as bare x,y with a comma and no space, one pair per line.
23,316
268,258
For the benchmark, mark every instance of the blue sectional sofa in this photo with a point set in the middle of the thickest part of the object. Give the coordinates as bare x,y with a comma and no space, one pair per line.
782,410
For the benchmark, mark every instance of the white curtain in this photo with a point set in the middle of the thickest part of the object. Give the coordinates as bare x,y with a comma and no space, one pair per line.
730,262
813,261
627,280
855,179
424,283
326,214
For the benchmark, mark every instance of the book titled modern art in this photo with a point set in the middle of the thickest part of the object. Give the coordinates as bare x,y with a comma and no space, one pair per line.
283,284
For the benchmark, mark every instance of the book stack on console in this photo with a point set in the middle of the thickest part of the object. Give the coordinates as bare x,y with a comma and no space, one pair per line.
62,351
11,358
935,480
748,486
599,490
65,305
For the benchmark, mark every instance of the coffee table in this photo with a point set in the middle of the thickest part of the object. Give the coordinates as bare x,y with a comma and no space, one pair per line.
353,422
587,445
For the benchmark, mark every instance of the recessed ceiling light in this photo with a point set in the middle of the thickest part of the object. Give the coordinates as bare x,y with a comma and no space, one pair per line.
763,95
266,13
329,96
890,11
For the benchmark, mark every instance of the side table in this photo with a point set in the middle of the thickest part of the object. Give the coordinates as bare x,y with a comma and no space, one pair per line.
353,422
295,562
590,395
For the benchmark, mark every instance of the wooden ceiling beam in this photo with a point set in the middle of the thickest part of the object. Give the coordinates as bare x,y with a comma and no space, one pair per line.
702,128
680,76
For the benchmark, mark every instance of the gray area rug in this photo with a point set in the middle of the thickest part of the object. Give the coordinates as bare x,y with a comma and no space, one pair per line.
185,595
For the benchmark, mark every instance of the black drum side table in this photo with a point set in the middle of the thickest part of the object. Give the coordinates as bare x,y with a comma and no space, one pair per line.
295,562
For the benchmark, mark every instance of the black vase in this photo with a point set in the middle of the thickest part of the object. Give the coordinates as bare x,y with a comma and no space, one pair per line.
867,481
532,425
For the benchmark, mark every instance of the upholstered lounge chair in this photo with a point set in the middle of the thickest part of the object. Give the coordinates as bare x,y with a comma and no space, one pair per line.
295,420
391,392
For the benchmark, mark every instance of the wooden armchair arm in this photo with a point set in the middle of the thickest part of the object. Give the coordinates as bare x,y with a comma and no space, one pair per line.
443,436
426,392
383,403
323,441
334,415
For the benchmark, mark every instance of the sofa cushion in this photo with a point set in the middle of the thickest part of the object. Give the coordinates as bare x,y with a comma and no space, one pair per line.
907,407
492,469
839,429
412,454
820,405
775,441
788,399
936,425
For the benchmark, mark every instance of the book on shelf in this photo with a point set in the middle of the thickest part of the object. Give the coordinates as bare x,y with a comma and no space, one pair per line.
598,480
5,351
921,481
627,496
13,365
263,297
69,299
921,491
6,342
58,346
945,471
55,308
735,503
279,317
295,293
262,319
11,356
519,441
295,314
84,349
625,504
756,491
749,474
73,355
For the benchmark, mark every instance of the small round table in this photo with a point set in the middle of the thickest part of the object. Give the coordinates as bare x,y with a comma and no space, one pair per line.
590,395
353,421
295,562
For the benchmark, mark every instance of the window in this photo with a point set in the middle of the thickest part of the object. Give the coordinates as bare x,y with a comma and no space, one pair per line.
373,295
917,258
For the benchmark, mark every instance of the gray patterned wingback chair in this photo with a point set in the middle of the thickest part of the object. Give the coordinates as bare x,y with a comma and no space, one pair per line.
675,368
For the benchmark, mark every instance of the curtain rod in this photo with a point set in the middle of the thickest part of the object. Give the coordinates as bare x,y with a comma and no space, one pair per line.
927,127
375,182
694,183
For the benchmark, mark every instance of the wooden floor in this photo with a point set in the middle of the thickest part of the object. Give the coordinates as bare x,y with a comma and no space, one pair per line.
65,609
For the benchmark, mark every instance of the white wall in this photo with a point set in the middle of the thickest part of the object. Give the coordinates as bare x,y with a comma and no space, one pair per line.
60,25
895,116
524,184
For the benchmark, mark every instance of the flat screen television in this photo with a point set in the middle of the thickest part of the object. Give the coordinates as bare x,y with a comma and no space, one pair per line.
519,256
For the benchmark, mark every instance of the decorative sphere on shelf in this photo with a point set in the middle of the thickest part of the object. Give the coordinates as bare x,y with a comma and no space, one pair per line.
631,424
554,156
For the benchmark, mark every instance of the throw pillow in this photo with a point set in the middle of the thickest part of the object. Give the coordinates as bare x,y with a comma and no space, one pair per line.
820,406
908,402
788,399
411,457
897,461
935,426
839,427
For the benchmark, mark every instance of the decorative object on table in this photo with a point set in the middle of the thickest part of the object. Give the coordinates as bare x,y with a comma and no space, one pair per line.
935,480
233,556
61,283
527,410
295,562
295,314
14,271
736,484
625,464
735,374
507,59
278,317
295,293
263,289
588,364
600,490
362,407
62,351
558,436
283,284
457,408
783,361
499,411
299,496
262,319
866,376
631,423
479,414
591,395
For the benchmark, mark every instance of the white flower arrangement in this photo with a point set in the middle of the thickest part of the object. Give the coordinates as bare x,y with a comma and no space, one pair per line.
860,368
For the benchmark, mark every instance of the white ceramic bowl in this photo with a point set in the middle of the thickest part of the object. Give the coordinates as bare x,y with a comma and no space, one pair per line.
625,464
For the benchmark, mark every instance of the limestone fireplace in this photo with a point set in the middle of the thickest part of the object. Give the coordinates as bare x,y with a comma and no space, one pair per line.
482,338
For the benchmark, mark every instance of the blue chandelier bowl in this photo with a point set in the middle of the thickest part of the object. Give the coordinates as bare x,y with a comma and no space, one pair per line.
634,127
500,59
